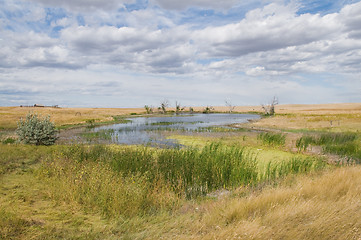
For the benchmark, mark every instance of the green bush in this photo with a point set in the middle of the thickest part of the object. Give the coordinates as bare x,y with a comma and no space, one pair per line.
36,130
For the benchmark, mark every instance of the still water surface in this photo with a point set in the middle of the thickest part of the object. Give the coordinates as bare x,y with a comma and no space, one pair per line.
150,130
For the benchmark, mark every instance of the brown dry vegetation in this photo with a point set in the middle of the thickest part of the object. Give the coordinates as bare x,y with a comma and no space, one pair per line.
344,116
63,116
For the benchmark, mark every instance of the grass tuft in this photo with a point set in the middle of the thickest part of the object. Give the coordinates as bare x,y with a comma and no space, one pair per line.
272,139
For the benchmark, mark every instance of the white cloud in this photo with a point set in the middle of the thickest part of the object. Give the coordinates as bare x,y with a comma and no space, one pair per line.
270,28
85,5
144,54
138,49
180,5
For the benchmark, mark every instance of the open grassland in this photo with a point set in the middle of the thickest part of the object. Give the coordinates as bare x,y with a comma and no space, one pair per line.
323,117
296,175
57,192
338,117
63,116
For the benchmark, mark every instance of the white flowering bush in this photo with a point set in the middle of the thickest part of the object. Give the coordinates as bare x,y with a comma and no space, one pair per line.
36,130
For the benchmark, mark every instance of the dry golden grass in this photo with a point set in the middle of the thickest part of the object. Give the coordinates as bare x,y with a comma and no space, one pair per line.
345,116
330,122
313,109
334,117
322,207
63,116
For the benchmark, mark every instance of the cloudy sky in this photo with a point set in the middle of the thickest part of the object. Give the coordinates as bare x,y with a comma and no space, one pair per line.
128,53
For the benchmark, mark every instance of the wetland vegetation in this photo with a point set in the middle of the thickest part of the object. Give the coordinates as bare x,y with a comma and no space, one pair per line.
241,182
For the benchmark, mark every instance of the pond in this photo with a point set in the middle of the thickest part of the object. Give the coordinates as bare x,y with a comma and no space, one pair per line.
150,130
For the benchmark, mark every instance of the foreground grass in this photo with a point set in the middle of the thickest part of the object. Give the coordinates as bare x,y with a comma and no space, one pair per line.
37,203
79,192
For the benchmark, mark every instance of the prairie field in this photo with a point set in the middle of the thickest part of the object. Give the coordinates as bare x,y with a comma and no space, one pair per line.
295,175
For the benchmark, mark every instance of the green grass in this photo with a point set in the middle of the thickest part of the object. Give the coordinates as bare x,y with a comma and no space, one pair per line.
173,123
345,144
190,172
140,192
9,140
272,139
91,136
304,142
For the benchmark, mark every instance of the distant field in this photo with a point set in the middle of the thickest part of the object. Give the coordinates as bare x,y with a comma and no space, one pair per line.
344,116
63,116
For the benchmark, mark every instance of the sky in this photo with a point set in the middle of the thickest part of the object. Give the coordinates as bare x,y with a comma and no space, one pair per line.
131,53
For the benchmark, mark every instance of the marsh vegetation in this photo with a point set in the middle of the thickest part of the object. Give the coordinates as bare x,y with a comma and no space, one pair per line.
217,183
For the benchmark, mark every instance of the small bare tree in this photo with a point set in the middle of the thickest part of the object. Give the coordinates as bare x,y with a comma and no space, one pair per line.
148,109
230,106
178,107
269,109
163,106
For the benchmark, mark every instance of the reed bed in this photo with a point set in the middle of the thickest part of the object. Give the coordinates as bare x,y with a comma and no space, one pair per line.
181,173
343,144
272,139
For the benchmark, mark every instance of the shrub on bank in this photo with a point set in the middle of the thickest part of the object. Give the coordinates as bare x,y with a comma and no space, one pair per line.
36,130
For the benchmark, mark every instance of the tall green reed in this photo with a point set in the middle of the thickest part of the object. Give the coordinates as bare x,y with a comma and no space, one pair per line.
343,144
190,171
272,139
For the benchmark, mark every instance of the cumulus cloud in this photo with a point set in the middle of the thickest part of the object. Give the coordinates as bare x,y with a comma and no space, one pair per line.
269,44
140,49
273,27
85,5
180,5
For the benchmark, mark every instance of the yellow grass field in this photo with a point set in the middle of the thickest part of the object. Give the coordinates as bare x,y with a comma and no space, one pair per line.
344,116
62,116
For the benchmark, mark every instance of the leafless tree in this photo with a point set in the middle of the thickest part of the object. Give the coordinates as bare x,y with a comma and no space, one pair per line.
178,107
269,109
230,106
163,106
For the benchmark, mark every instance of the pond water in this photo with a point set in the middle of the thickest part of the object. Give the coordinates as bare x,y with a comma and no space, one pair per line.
150,130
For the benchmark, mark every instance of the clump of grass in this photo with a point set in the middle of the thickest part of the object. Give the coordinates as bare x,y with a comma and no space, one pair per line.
272,139
9,141
189,172
336,138
196,172
219,129
165,123
343,144
304,142
350,150
295,165
120,119
105,134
